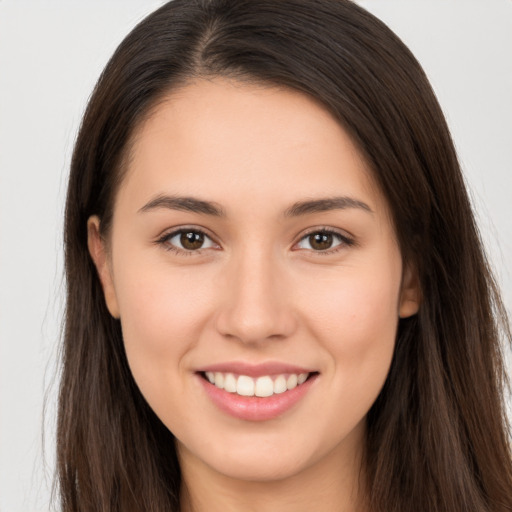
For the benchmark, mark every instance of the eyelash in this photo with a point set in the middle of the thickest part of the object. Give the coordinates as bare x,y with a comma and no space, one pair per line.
345,241
164,241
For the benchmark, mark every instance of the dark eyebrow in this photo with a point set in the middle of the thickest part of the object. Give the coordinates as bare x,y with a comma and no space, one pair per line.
186,204
191,204
323,205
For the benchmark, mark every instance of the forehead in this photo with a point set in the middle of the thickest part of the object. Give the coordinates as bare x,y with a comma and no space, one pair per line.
222,140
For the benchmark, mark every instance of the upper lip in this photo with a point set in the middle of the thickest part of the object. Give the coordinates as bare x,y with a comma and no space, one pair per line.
255,370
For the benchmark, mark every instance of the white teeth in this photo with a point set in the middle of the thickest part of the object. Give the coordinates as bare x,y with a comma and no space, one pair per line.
291,382
230,383
262,386
280,384
302,378
219,380
245,386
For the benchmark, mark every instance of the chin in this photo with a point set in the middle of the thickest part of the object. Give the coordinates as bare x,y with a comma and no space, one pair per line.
260,469
256,459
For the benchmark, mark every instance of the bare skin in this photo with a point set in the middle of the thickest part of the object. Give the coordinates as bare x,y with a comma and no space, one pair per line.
248,231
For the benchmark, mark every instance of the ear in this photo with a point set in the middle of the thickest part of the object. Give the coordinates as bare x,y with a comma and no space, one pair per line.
410,293
99,255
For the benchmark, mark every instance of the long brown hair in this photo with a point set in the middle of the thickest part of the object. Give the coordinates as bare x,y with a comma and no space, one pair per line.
438,438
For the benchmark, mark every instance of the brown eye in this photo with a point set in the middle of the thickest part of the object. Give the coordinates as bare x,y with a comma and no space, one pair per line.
187,240
191,240
323,241
320,241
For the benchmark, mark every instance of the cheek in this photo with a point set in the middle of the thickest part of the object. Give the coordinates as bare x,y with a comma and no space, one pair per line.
162,316
355,319
353,305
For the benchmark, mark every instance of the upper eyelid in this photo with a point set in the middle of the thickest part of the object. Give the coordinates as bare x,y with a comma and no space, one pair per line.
346,242
164,240
170,232
326,229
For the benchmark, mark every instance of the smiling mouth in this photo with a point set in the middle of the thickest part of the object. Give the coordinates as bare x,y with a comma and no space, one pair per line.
263,386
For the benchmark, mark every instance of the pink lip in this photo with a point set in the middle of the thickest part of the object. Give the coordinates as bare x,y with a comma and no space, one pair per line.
255,370
253,408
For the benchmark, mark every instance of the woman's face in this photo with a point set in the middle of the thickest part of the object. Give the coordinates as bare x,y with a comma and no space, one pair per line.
250,247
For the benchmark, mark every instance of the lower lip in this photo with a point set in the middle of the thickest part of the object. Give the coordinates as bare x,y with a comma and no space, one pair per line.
255,408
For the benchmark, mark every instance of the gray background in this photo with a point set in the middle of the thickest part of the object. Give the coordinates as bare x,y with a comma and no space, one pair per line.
51,53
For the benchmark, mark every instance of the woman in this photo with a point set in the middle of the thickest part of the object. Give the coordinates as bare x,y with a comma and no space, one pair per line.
277,297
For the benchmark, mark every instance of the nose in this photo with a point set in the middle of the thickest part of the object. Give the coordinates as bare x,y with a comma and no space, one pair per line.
256,304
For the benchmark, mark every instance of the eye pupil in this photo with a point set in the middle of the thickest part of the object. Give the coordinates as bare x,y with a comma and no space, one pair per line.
191,240
321,241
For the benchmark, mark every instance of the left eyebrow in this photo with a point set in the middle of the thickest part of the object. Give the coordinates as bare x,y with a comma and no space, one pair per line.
327,204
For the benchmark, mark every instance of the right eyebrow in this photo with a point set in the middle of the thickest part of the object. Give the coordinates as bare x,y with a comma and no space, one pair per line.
183,203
